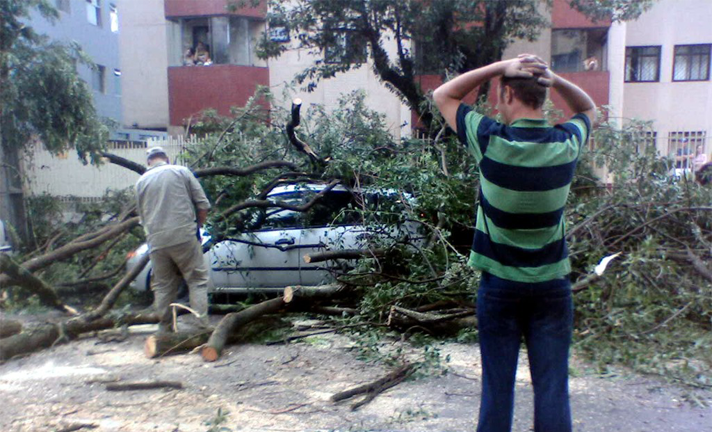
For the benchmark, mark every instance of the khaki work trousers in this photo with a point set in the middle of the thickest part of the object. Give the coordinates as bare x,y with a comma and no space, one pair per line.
170,265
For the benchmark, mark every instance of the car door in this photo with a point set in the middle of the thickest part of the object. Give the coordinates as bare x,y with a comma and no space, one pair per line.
266,257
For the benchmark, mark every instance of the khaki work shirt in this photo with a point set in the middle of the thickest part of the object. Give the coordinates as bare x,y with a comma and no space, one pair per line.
168,196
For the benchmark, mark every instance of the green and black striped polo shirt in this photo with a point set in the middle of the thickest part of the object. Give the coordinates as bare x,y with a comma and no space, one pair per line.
526,170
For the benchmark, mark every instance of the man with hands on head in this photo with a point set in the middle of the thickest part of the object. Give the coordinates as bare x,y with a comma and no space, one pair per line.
526,169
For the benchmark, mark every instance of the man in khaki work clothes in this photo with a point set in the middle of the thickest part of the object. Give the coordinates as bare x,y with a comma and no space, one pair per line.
172,206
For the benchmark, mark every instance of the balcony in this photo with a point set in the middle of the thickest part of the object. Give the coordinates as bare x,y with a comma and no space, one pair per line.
193,8
192,89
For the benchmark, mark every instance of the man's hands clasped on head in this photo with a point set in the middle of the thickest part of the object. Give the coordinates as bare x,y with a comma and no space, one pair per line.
527,66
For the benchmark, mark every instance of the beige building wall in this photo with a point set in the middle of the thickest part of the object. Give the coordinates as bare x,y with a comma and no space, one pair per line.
283,69
144,62
672,106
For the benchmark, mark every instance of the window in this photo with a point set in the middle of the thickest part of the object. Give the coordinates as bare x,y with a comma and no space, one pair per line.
683,145
94,12
347,46
114,18
117,82
578,50
692,63
642,64
98,78
63,5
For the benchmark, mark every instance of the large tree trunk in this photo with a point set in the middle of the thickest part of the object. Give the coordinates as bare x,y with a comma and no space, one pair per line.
232,322
47,335
159,345
9,328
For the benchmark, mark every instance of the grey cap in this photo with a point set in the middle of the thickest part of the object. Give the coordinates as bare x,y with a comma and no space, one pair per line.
154,151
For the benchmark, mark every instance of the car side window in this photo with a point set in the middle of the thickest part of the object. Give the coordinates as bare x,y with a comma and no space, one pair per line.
334,208
278,218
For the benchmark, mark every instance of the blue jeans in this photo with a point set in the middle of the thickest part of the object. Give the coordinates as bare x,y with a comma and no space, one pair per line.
541,313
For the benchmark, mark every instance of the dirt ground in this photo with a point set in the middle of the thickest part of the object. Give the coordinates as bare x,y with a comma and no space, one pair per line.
287,388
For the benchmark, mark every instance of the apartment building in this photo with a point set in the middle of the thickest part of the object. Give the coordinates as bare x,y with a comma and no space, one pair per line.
667,76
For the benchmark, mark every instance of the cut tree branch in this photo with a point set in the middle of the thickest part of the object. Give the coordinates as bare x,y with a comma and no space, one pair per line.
241,172
73,248
348,254
108,302
232,322
23,278
373,389
151,385
279,204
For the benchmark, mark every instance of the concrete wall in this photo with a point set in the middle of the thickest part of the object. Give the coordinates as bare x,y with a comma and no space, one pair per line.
673,106
144,63
99,42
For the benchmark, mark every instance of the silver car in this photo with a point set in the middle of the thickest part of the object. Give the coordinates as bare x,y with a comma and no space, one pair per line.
269,256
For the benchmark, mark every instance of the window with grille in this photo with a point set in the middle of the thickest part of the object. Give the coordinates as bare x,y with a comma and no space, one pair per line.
642,64
692,63
94,12
682,147
63,5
